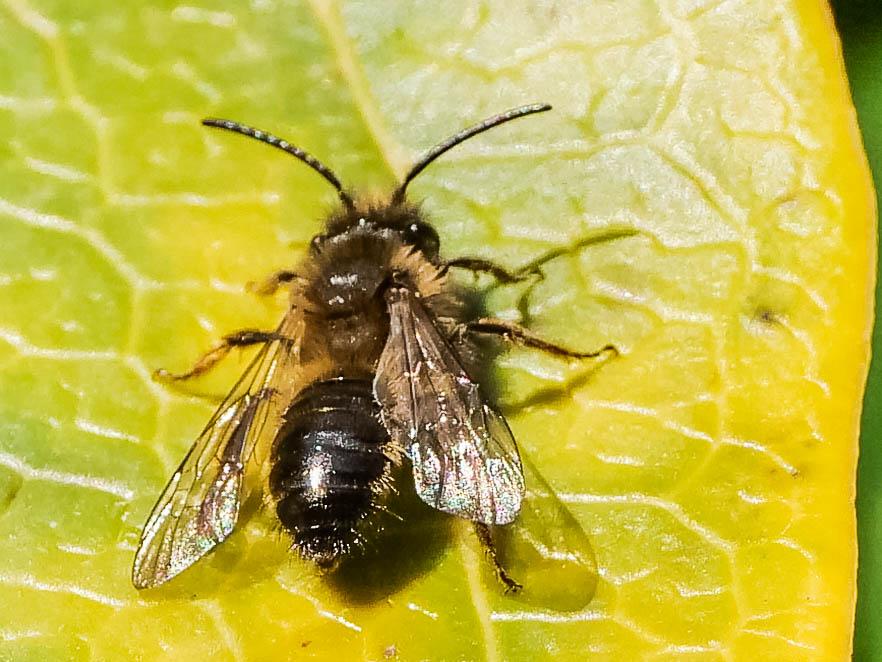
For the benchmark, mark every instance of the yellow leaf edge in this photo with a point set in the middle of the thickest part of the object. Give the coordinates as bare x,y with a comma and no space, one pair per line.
855,181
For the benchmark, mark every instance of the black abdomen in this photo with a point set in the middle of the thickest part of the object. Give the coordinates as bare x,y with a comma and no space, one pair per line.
328,466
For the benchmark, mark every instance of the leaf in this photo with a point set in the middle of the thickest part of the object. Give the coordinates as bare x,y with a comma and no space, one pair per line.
862,49
712,464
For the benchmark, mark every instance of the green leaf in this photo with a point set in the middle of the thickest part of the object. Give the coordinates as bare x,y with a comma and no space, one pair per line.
712,464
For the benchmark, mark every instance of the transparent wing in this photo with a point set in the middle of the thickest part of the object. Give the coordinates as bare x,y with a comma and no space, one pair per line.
547,550
199,507
465,460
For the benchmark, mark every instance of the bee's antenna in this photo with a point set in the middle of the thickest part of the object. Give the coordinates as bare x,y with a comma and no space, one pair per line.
285,146
462,136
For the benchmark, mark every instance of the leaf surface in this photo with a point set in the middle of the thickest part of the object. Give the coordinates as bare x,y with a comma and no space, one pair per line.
712,464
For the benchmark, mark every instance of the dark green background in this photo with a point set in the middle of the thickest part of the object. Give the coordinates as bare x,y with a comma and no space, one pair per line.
860,23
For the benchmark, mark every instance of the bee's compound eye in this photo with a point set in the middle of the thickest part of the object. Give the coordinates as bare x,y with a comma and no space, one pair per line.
423,236
315,243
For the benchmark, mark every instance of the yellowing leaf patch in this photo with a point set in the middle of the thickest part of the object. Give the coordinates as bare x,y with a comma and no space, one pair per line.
712,464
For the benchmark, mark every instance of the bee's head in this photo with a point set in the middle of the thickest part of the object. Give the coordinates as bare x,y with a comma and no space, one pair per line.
403,220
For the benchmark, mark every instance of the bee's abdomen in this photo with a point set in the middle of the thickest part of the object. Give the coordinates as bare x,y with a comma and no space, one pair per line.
328,466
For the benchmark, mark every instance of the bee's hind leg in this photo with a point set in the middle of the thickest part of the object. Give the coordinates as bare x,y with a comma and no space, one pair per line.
207,361
518,335
486,540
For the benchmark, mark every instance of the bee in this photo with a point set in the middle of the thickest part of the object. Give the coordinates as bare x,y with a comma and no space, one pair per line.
366,371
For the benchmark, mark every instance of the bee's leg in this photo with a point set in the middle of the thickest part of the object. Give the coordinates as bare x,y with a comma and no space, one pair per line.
486,540
518,335
273,283
534,267
501,274
207,361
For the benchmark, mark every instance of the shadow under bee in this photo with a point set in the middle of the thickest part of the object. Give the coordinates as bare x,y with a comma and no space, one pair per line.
405,542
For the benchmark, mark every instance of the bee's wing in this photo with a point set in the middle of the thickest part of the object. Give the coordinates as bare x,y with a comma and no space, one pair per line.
199,507
547,549
465,460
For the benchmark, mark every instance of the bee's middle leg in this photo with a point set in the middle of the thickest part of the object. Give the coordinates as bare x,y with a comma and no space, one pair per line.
207,361
518,335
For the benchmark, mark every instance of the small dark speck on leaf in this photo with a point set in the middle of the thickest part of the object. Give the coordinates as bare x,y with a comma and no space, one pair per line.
793,472
14,487
390,652
766,316
304,644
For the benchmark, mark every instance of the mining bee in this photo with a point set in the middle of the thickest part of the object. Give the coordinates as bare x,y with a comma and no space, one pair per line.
367,371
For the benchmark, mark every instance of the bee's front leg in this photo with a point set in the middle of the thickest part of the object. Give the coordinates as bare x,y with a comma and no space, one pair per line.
501,274
272,284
